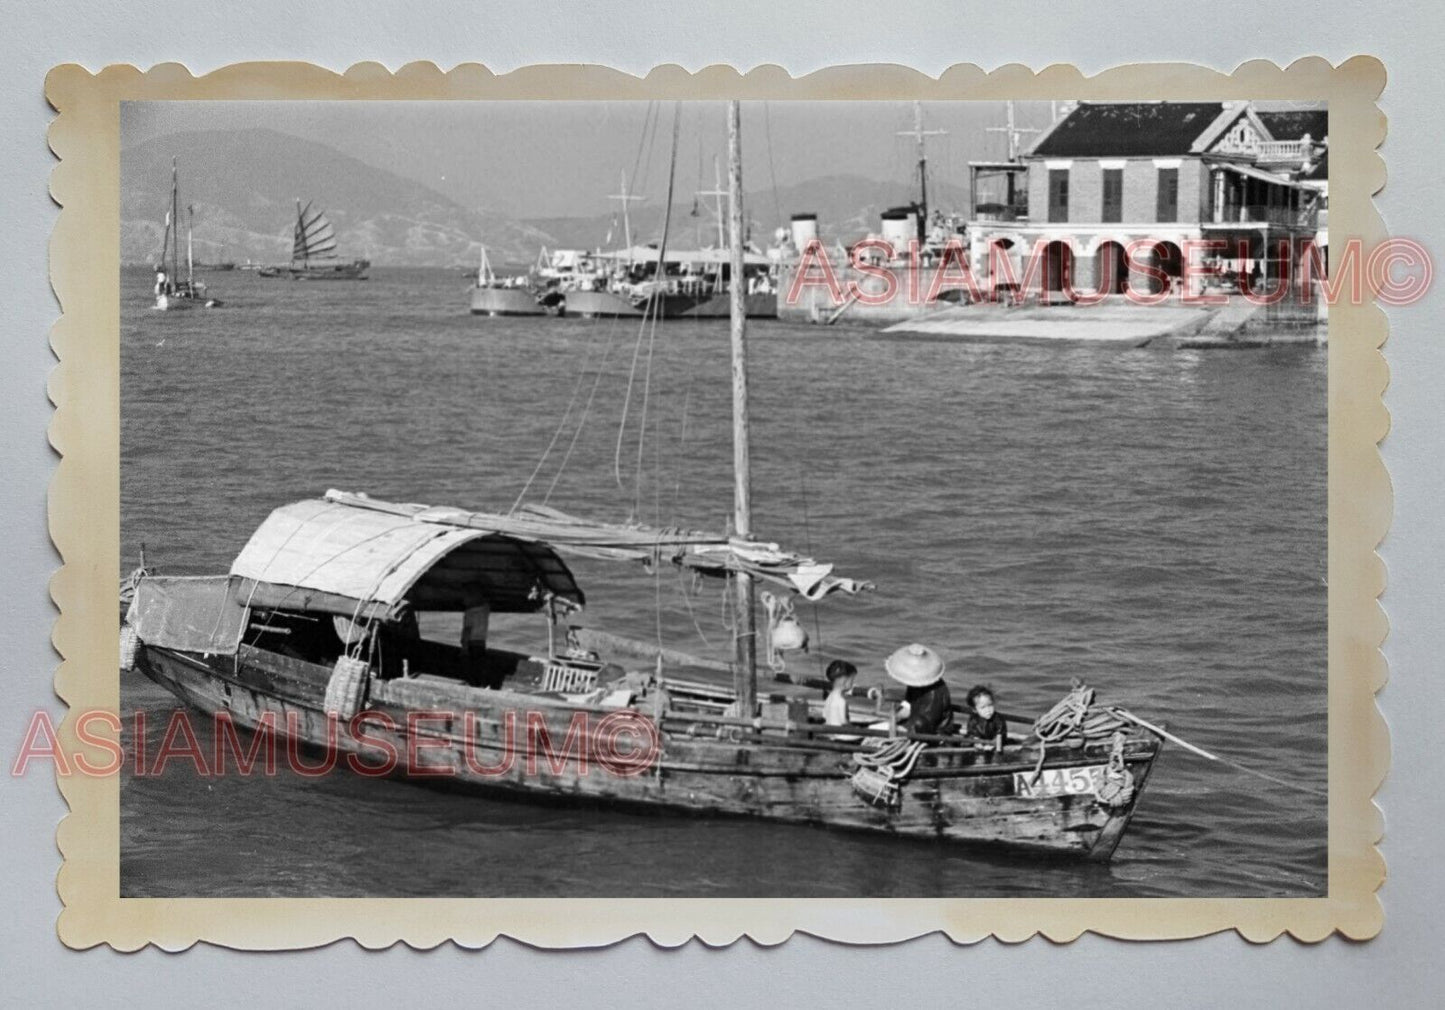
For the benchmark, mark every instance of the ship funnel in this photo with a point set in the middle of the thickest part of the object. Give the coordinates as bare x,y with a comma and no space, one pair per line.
900,226
805,229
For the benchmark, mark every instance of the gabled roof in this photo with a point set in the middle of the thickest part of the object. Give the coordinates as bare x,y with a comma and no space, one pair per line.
1293,124
1128,129
1233,113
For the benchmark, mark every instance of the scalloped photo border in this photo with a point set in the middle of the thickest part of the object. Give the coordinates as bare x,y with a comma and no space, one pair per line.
84,515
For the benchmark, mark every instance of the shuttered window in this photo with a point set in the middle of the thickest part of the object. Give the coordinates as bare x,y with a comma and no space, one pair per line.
1058,194
1113,196
1168,206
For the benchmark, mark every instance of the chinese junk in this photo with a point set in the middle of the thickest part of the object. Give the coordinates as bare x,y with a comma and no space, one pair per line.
313,252
318,625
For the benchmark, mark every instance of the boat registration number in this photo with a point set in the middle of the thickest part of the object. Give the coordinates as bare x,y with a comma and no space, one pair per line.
1059,782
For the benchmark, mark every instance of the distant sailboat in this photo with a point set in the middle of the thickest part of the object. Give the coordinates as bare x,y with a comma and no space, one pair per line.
170,291
313,252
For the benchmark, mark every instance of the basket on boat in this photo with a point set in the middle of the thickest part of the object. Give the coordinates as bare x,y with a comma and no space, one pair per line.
569,676
877,788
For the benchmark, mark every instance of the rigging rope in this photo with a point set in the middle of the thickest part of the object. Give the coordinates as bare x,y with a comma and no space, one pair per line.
562,424
586,410
808,547
768,133
655,302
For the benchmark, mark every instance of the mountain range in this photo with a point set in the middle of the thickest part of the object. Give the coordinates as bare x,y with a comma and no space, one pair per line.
241,189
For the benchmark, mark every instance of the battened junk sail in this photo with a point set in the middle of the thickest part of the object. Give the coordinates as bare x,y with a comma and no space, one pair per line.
316,624
313,251
315,236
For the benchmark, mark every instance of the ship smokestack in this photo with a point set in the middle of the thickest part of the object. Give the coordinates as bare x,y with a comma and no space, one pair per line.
900,226
805,229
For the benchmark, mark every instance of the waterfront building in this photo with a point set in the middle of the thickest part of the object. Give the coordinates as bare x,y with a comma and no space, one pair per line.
1156,174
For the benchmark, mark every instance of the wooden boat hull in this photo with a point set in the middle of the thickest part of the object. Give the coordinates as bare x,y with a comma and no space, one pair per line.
700,768
353,271
174,303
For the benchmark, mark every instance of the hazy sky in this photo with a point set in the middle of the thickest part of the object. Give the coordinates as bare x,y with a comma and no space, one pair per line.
564,158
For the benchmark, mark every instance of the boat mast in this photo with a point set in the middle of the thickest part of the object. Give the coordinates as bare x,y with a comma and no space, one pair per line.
626,220
717,193
175,225
300,234
745,665
1012,132
190,258
918,133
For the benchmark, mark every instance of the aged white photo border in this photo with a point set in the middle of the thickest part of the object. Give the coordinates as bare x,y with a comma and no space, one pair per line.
84,519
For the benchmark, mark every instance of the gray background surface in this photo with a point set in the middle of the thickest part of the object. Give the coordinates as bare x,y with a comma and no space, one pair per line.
1397,969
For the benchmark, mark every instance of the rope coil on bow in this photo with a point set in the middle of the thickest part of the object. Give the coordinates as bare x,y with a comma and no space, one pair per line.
1075,715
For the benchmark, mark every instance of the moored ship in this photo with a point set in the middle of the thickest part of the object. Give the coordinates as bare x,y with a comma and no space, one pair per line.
503,296
689,284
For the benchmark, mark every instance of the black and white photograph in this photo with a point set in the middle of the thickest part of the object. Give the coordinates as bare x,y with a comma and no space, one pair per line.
723,499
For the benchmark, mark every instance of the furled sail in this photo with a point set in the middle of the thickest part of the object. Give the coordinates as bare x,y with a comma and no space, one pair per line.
315,237
706,553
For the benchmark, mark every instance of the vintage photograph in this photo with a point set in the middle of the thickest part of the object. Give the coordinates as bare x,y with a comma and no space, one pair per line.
715,499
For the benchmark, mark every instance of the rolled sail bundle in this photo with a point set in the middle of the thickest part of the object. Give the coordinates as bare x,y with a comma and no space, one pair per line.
714,554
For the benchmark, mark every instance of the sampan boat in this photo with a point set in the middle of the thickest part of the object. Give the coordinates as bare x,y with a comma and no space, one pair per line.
314,632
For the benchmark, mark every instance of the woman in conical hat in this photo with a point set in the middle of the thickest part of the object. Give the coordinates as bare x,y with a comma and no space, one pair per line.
930,706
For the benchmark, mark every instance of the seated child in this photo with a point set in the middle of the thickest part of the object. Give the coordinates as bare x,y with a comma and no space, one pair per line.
840,676
984,723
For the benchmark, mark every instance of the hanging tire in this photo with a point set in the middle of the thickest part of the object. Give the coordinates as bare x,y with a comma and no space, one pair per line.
346,690
129,647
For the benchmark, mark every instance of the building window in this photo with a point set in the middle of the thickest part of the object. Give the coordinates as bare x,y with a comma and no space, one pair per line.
1168,206
1058,194
1113,196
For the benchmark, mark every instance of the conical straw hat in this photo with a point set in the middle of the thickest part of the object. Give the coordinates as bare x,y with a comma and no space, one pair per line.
915,665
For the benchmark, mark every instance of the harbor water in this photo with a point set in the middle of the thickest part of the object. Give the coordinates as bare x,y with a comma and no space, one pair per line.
1150,522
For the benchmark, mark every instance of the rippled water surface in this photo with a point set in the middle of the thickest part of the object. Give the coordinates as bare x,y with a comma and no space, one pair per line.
1152,522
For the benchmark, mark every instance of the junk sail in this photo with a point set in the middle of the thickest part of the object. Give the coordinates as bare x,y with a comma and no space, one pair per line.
315,237
313,251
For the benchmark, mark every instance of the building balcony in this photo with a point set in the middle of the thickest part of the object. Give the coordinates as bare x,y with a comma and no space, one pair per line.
1287,217
1284,150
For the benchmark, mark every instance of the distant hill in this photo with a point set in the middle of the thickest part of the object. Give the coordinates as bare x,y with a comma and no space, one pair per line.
243,186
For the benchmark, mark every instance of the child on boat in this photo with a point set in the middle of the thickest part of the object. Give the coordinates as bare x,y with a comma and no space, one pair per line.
984,723
840,676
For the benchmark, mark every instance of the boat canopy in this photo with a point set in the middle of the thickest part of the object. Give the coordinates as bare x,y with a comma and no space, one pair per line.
337,557
716,554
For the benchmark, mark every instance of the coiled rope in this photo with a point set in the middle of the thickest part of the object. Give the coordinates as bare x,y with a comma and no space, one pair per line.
1075,715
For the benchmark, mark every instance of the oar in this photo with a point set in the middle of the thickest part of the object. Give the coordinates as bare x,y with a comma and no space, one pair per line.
1131,717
